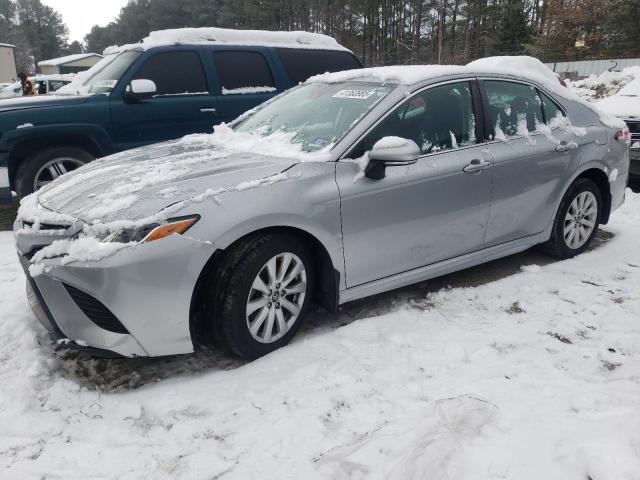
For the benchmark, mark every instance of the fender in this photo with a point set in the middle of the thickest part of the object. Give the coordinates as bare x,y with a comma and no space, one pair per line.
331,241
94,132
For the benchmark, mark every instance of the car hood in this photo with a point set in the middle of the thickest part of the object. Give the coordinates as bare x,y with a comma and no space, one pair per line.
139,183
621,106
40,101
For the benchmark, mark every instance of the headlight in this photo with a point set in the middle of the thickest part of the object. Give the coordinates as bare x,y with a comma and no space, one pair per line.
153,231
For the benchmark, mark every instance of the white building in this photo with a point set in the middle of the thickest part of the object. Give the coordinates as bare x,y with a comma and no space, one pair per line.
8,72
69,64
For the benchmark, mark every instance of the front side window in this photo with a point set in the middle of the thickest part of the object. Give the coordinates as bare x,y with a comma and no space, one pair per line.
175,73
243,72
316,115
514,109
440,118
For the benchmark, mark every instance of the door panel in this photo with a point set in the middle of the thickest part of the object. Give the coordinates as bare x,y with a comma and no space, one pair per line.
161,118
530,168
424,213
415,216
181,106
528,177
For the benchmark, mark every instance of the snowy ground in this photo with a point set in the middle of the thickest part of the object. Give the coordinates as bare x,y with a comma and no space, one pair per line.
523,369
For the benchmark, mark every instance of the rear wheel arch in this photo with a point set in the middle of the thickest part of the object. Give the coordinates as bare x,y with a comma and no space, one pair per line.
327,277
601,179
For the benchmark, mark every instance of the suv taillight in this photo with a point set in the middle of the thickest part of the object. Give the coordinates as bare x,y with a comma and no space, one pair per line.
623,135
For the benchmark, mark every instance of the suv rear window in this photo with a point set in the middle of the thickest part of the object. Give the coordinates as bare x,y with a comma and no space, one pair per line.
174,73
238,70
302,64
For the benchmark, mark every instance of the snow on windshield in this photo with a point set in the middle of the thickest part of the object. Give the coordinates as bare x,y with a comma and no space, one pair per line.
316,115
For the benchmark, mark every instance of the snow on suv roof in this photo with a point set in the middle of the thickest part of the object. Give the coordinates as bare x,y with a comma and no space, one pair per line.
224,36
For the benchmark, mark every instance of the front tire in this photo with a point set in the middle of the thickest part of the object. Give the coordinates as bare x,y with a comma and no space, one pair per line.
44,166
577,220
259,298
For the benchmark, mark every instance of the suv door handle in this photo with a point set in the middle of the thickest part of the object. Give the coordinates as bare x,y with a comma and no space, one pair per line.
208,110
565,147
476,166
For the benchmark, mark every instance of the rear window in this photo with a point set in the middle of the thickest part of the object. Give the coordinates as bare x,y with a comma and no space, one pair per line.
243,72
302,64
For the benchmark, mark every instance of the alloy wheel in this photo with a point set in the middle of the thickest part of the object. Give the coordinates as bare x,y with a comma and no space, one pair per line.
276,297
580,220
53,169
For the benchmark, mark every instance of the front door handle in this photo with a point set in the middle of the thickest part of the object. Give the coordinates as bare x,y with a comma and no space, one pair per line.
476,166
565,147
208,110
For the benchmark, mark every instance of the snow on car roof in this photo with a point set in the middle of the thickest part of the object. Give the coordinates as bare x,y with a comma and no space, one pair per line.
225,36
520,67
631,89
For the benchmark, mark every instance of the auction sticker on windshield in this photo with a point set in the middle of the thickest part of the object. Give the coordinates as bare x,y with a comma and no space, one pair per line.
355,93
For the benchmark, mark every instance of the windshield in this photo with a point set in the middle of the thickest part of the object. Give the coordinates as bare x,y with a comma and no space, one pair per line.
108,72
318,114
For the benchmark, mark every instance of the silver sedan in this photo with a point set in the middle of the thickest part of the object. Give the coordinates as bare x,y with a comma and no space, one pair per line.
346,186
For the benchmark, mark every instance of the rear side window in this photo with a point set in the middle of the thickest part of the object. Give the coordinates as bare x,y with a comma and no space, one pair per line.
302,64
514,108
551,109
243,72
174,73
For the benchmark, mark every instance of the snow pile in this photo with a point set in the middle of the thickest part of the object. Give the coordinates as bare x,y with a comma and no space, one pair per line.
523,368
604,85
223,36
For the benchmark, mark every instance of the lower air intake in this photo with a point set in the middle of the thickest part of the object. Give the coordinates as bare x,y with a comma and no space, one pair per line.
95,311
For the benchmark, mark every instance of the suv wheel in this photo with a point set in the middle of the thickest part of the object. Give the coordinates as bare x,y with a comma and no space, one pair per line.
44,166
577,220
258,301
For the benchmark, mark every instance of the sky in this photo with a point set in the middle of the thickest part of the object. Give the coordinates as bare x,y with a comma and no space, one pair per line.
81,16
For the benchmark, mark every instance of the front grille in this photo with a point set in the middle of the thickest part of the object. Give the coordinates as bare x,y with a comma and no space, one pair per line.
46,226
95,311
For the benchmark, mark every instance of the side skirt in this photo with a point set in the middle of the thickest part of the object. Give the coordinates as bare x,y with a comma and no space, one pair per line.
442,268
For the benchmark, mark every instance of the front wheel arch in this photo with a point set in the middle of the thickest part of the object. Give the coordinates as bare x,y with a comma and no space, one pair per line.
327,278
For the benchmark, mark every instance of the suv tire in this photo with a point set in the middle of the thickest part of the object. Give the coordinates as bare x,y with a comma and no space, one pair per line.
58,157
572,235
232,294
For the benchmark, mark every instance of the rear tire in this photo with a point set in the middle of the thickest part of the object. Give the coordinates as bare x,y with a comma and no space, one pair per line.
244,310
577,220
34,171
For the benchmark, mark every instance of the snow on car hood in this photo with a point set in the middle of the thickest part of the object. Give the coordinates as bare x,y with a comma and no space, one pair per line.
138,183
621,106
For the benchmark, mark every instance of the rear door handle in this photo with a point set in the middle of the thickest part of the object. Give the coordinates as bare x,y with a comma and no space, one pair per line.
208,110
476,165
565,147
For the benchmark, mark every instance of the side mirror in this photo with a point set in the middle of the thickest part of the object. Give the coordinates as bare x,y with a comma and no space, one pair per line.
390,152
139,90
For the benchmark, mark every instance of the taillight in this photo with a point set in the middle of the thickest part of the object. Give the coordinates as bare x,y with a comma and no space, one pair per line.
623,135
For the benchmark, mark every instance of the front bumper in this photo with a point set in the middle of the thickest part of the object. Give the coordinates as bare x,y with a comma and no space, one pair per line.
147,287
